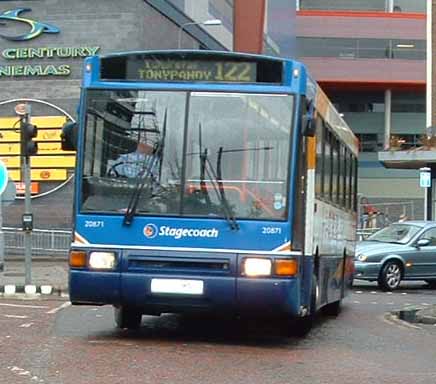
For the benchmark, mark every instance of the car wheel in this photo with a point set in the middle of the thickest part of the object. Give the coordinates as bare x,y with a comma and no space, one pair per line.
390,276
127,318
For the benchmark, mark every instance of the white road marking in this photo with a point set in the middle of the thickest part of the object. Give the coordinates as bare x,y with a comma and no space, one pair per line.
16,316
393,320
23,372
373,292
359,292
391,303
356,302
404,293
57,309
388,293
24,306
26,325
425,304
373,302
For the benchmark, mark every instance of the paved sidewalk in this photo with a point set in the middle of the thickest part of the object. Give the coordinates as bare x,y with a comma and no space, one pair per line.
43,272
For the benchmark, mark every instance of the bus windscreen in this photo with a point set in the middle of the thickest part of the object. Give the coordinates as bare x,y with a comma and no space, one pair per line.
235,158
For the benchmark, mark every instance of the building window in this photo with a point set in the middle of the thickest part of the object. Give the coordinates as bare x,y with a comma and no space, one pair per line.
345,48
368,142
349,5
415,6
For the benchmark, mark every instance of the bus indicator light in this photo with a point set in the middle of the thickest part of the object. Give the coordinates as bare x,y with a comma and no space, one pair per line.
77,259
285,267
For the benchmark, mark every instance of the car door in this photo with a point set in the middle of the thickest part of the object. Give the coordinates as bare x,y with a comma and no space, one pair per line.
423,259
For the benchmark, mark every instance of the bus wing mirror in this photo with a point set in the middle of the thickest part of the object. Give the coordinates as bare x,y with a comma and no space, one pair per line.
69,136
308,120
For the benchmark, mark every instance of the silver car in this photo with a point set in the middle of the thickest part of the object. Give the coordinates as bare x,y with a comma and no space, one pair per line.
402,251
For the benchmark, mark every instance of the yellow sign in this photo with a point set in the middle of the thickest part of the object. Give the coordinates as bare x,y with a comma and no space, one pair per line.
14,174
51,163
9,135
52,149
49,174
45,174
11,161
9,149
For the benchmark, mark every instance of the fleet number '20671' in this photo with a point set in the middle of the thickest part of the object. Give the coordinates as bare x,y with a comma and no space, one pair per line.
94,224
271,230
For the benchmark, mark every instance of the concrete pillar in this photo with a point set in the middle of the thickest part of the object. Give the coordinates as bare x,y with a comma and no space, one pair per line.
389,4
430,94
388,119
248,25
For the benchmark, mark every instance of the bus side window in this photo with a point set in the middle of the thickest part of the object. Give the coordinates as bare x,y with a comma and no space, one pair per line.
319,165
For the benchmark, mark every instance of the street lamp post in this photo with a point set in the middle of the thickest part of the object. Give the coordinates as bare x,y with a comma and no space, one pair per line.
206,23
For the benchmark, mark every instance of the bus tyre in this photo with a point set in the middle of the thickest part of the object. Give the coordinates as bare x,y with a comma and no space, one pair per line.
390,276
303,325
127,318
332,309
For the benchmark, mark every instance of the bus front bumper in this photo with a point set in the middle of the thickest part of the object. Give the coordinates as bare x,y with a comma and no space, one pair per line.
267,296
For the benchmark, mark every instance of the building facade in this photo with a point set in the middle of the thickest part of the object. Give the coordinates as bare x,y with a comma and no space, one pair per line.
370,58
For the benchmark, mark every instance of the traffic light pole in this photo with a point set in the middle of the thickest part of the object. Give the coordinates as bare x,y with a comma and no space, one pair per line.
27,214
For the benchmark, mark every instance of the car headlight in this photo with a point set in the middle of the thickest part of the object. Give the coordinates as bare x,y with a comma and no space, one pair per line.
255,267
102,260
362,257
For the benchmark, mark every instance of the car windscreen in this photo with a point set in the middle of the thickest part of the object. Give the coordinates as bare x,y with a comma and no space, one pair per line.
395,233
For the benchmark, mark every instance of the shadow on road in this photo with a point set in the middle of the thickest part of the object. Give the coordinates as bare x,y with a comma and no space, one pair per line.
267,333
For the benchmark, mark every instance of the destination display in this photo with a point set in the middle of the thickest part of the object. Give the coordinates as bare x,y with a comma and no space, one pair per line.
228,72
191,67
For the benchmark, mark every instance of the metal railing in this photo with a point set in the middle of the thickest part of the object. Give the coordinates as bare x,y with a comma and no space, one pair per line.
45,242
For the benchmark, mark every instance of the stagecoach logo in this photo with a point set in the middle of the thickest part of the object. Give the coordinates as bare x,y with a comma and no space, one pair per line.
150,231
36,27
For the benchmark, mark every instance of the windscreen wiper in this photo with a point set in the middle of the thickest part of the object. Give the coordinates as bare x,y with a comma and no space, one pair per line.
203,159
145,176
215,178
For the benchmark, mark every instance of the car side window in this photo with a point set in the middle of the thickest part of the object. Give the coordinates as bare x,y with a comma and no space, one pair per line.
430,235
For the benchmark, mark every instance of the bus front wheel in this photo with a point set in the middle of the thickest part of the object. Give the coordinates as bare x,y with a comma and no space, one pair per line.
301,326
127,318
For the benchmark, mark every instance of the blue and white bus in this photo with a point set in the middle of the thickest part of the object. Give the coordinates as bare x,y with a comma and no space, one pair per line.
210,181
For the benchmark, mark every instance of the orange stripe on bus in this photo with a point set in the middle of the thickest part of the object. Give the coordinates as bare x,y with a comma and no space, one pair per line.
311,152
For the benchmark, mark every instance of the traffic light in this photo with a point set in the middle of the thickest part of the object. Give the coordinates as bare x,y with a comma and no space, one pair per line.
28,132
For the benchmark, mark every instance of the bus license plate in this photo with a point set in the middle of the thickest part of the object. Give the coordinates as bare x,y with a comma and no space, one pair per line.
177,286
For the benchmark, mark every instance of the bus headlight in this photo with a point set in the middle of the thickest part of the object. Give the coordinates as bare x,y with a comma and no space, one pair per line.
102,260
254,267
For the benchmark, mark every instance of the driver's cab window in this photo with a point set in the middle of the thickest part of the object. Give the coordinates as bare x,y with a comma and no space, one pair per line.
430,235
